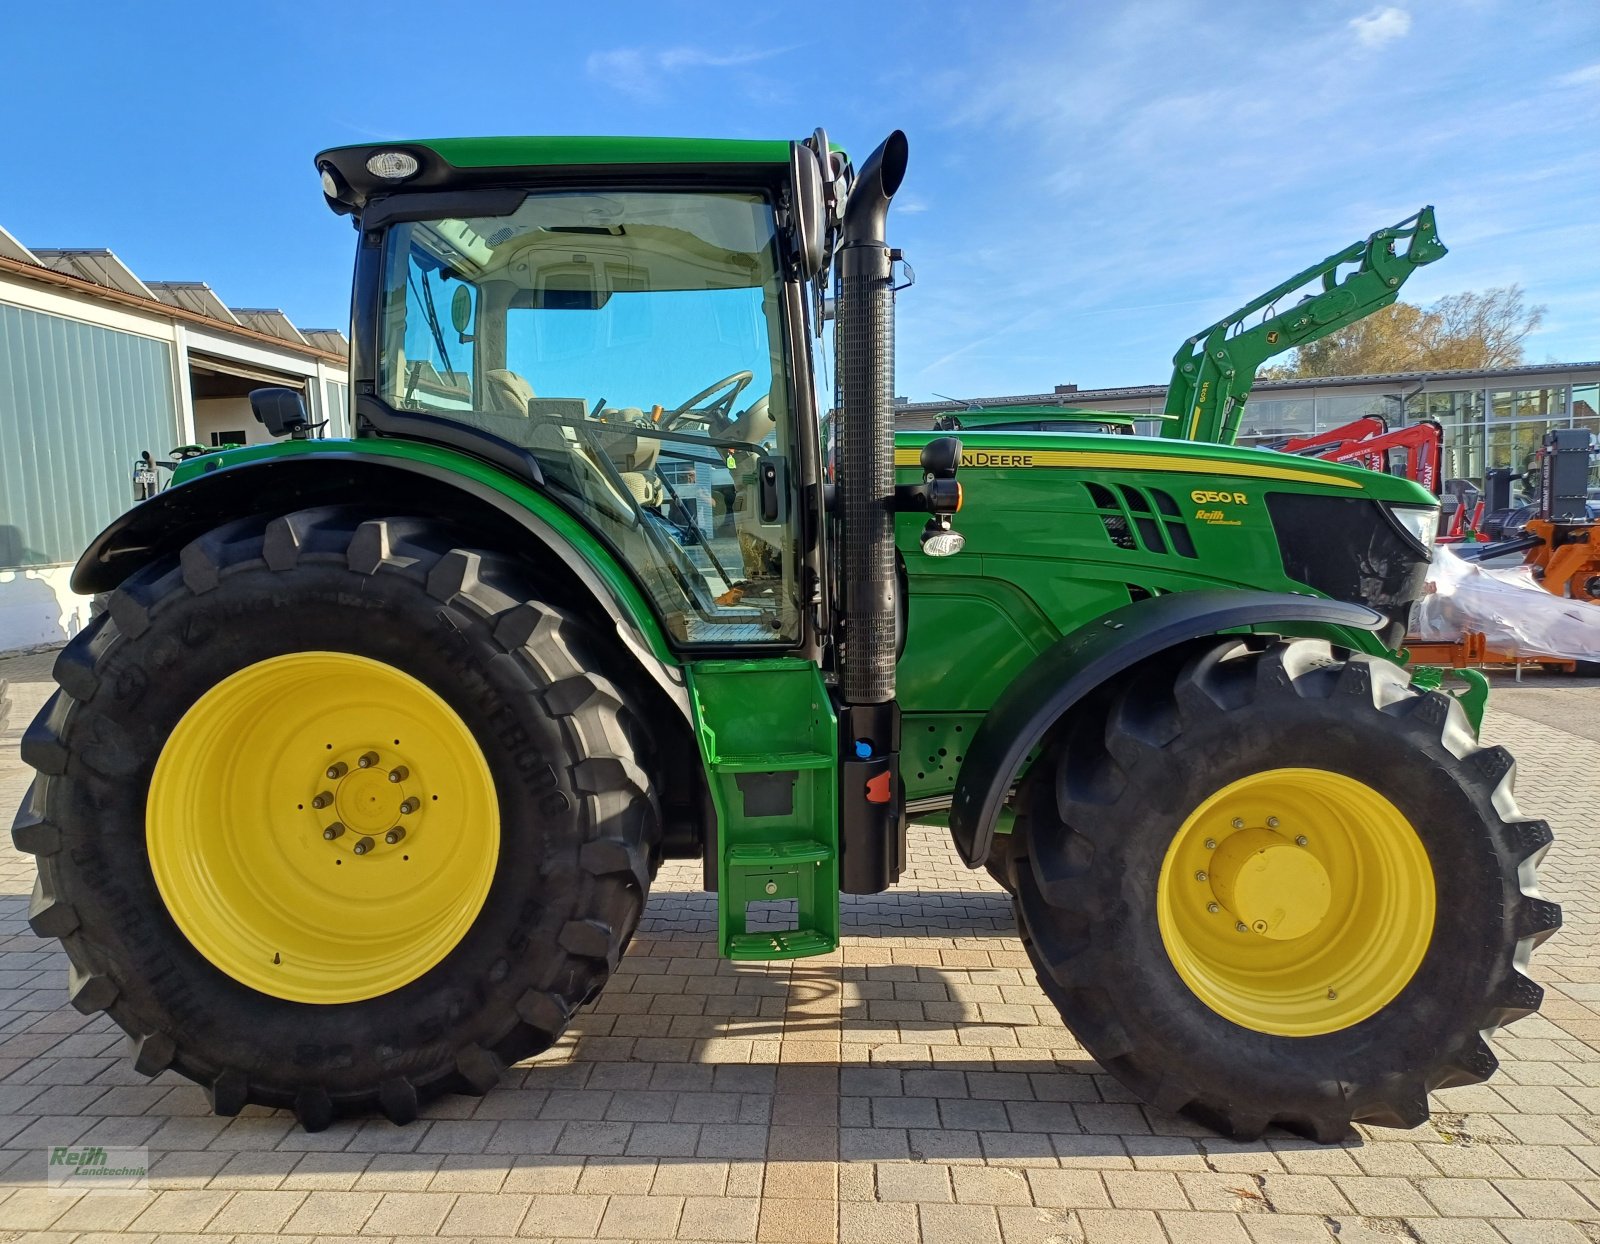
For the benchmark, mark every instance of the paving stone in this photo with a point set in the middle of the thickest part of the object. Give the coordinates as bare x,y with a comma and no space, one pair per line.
563,1215
914,1088
409,1213
483,1213
257,1213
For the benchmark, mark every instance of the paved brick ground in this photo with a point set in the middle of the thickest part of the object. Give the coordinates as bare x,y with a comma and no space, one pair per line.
914,1086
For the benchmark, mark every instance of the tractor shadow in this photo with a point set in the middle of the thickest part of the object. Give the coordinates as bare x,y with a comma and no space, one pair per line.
933,1055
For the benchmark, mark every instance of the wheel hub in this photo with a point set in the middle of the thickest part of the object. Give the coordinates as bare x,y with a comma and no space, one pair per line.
323,827
1296,901
1272,886
366,801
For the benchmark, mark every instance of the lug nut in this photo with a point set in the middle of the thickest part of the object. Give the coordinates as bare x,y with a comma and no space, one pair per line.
394,835
365,845
1332,994
1213,908
1272,822
1239,927
338,769
1302,841
333,831
1238,822
367,761
1211,844
322,800
409,806
1201,875
399,773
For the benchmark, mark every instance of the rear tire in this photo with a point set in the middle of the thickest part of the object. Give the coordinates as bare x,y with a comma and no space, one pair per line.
578,820
1120,786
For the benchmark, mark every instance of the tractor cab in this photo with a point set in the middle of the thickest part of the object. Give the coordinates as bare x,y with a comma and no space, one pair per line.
635,347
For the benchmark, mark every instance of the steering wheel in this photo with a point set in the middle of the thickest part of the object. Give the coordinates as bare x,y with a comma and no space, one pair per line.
719,411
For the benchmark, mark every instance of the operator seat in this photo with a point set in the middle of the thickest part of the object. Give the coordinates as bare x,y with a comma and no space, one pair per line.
752,426
506,392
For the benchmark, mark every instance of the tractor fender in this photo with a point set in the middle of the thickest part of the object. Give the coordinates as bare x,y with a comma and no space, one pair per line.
1078,662
523,520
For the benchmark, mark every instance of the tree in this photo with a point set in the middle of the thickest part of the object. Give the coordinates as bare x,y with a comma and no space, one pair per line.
1473,331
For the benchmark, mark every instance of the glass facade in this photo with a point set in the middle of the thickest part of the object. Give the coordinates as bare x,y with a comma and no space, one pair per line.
1483,427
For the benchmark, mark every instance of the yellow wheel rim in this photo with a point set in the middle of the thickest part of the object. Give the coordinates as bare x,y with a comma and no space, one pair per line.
1296,902
322,827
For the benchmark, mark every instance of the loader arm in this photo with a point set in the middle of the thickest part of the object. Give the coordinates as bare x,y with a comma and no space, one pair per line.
1213,371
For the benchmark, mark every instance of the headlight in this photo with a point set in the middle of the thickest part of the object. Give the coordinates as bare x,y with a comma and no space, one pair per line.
1421,523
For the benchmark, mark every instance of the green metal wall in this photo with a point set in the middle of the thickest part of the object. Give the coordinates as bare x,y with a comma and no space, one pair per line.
77,404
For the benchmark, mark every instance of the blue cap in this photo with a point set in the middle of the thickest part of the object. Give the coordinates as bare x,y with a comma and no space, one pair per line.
863,750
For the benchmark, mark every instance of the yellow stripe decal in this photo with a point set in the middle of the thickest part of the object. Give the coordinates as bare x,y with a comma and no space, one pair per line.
1026,459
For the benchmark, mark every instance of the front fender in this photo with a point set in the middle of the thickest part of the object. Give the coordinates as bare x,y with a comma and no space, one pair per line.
1078,662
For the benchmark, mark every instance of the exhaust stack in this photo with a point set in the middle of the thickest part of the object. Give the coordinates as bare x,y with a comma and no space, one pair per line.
865,347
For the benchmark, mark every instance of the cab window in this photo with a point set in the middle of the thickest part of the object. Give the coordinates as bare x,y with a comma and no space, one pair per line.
633,342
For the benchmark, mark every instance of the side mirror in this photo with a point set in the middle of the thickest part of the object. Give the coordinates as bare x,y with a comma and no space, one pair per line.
461,312
810,208
281,411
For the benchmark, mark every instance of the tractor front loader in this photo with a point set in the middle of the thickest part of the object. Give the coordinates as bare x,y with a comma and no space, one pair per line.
354,793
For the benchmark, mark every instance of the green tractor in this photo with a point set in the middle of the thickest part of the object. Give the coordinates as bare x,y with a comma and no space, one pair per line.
354,793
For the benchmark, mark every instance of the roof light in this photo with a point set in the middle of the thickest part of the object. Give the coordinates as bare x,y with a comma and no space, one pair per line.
392,165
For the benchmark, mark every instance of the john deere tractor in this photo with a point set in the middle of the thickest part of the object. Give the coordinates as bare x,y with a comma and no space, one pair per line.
354,793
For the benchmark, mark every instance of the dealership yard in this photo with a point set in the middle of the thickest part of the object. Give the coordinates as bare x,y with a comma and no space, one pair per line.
914,1085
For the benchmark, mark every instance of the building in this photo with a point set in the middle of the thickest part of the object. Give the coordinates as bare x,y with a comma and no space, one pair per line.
1490,418
96,367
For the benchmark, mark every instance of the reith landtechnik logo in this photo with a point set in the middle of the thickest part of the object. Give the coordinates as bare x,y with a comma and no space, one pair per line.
94,1168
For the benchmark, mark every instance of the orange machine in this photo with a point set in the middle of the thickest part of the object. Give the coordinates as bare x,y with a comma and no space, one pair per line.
1567,558
1562,542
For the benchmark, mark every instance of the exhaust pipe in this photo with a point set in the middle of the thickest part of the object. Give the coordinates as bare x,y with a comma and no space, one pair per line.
864,341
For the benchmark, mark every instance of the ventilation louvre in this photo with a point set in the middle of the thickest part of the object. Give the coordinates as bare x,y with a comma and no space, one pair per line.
1147,519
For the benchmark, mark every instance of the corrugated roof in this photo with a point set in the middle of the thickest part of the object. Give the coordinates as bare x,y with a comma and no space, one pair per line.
194,296
269,320
13,249
94,264
194,300
330,339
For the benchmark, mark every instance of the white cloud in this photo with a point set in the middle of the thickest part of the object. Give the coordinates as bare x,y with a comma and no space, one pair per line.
641,72
1382,26
1589,75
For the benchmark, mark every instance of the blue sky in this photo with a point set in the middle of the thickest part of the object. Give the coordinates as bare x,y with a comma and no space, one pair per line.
1089,182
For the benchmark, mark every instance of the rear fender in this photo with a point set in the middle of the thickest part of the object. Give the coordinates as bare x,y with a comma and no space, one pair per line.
1077,663
496,508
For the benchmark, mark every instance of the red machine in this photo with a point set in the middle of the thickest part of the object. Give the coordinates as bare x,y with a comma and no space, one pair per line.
1415,451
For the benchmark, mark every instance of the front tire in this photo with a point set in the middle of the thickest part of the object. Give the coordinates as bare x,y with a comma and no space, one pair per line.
213,826
1272,886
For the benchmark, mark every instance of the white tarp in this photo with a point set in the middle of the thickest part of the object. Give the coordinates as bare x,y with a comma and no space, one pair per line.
1515,615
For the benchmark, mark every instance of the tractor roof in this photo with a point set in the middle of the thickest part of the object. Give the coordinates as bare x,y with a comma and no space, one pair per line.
450,161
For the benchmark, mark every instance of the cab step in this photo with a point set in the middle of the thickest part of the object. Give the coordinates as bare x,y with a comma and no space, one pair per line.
774,784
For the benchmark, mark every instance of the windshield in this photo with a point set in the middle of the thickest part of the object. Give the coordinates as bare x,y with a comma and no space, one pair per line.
629,340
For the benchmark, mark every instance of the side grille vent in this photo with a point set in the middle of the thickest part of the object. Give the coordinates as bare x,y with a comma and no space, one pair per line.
1142,518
